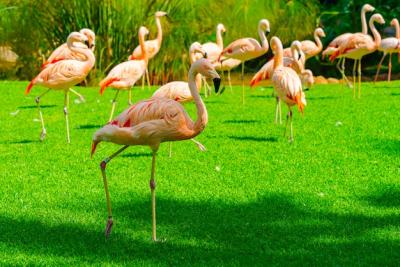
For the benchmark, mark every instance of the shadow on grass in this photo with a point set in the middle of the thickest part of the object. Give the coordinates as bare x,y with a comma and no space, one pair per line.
262,96
385,196
388,146
322,97
24,141
272,229
34,106
395,94
88,126
136,155
255,138
242,121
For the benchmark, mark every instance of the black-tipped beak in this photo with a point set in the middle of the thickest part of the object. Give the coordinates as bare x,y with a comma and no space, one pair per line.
205,55
299,57
91,46
87,43
217,82
267,32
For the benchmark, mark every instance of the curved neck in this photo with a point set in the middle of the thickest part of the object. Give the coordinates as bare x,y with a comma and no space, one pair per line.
159,31
364,27
142,46
219,40
318,42
375,33
87,53
202,116
278,58
397,27
263,38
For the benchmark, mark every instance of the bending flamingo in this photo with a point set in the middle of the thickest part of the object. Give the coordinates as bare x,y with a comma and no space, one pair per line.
359,45
335,43
389,45
151,122
248,48
286,83
126,74
152,46
64,74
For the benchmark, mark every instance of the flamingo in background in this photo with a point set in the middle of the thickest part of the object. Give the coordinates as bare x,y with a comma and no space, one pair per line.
63,52
227,64
125,75
180,91
152,46
64,74
335,43
151,122
248,48
389,45
359,45
286,83
309,48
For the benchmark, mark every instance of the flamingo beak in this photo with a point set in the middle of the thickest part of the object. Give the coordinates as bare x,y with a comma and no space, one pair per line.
205,55
267,32
87,43
217,82
94,145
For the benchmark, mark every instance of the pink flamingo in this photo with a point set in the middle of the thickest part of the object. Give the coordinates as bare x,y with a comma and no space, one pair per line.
359,45
151,122
227,64
180,91
64,74
286,83
335,43
126,74
248,48
389,45
152,46
309,48
63,52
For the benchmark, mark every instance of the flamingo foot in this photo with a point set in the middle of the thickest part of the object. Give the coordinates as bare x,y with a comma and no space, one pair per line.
108,227
82,99
201,147
43,135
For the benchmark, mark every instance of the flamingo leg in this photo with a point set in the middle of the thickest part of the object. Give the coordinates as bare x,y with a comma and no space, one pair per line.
153,195
229,79
78,94
113,106
243,82
291,139
143,81
148,78
103,166
277,109
287,121
379,67
354,78
359,78
37,100
207,88
66,104
342,71
200,146
130,97
390,67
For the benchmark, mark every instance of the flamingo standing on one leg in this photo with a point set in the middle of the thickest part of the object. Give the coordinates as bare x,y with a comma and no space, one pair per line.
152,46
126,74
335,43
180,91
151,122
286,83
359,45
389,45
63,52
64,74
248,48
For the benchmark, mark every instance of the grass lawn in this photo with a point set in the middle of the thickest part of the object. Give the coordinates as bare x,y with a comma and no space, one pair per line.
330,198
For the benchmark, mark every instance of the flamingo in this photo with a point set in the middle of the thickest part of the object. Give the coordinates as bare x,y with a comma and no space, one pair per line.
359,45
64,74
248,48
151,122
152,46
335,43
309,48
63,52
389,45
180,91
287,83
126,74
227,65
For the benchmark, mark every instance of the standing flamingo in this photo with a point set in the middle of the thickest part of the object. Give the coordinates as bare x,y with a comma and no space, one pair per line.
63,52
335,43
227,65
286,83
309,48
64,74
248,48
151,122
359,45
180,91
125,75
152,46
389,45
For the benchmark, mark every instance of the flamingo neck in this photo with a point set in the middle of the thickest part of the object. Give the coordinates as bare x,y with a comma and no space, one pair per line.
202,116
375,33
87,53
278,58
143,47
219,40
397,27
159,31
364,27
318,42
263,38
198,75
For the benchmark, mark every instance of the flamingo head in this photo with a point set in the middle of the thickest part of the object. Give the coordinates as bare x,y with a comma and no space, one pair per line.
307,78
296,47
264,26
221,28
196,47
77,37
160,14
276,44
90,36
319,32
205,68
378,18
143,31
368,8
394,22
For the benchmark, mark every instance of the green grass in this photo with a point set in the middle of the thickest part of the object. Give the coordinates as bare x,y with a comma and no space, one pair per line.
330,198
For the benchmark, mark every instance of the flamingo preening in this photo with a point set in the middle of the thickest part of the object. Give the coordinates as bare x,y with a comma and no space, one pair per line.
126,74
388,46
151,122
245,49
358,45
64,74
152,46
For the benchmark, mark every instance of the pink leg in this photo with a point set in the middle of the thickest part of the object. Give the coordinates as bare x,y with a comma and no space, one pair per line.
390,66
379,67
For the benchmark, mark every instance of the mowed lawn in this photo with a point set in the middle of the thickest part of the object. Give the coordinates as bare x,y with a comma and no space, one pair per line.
330,198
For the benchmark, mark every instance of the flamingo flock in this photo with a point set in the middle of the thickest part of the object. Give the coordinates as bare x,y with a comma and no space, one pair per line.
163,118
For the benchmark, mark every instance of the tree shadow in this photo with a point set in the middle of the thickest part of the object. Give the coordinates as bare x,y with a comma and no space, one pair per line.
34,106
241,121
88,126
385,196
136,155
24,141
255,138
262,96
389,146
322,97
